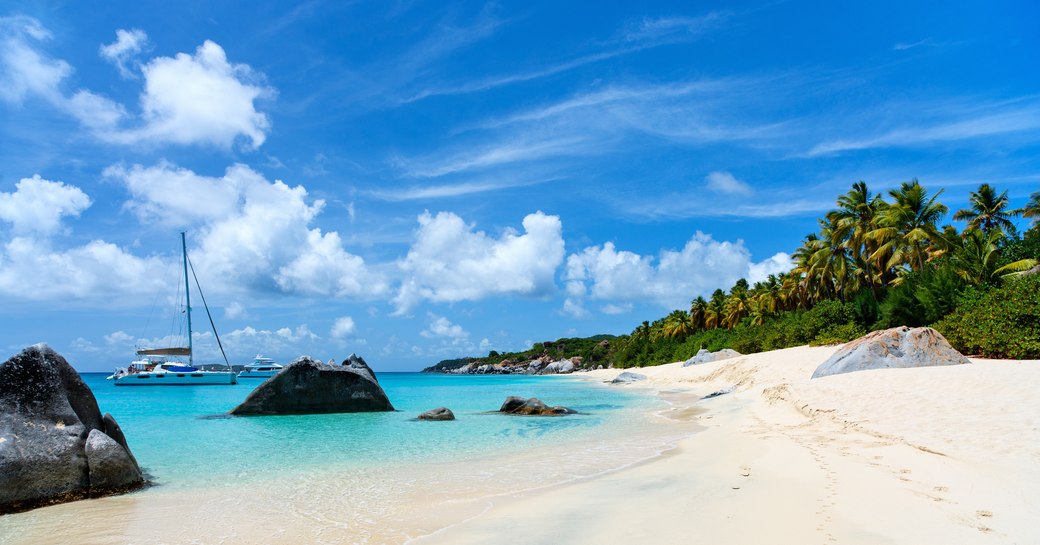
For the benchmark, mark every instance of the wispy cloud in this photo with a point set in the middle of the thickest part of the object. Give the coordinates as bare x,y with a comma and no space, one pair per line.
599,122
457,189
944,123
637,36
500,153
927,42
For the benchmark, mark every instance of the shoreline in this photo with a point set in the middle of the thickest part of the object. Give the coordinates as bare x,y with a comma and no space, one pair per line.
911,456
907,456
390,502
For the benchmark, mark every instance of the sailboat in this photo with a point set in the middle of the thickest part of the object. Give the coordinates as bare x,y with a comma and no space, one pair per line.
155,369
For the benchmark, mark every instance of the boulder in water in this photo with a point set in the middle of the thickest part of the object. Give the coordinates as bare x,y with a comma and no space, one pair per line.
306,386
55,445
896,347
532,407
440,413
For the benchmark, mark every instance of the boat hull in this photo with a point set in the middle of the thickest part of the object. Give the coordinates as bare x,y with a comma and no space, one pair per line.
257,374
196,378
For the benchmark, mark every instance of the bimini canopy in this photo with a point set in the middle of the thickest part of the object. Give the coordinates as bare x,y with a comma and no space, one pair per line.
172,351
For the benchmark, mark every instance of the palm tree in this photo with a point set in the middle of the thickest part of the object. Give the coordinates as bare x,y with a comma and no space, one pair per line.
830,262
716,307
737,307
988,211
698,308
855,217
907,228
976,258
677,325
1031,209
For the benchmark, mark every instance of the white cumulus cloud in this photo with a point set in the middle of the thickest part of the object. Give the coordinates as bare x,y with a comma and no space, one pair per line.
253,233
452,261
201,98
442,328
343,327
37,205
32,269
187,99
617,277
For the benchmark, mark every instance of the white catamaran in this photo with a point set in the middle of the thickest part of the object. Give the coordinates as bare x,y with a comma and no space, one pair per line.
154,369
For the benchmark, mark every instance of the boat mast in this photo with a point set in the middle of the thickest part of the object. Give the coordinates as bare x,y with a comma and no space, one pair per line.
187,297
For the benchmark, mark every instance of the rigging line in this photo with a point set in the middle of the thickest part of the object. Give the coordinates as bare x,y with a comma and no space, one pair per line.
208,315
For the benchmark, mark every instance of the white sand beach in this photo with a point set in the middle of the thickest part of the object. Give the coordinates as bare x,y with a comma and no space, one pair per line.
905,456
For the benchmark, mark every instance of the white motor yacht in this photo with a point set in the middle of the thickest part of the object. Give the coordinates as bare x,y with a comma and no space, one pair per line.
260,368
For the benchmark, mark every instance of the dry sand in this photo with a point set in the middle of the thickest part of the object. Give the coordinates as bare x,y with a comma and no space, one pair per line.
940,455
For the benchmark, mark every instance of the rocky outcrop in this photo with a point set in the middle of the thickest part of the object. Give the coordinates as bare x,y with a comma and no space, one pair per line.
561,367
440,413
306,386
628,377
531,407
892,348
703,356
55,445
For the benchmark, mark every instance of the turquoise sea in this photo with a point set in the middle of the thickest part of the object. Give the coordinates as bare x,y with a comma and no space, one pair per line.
347,478
173,434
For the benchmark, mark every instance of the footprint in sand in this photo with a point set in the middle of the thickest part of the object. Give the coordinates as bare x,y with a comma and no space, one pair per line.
984,513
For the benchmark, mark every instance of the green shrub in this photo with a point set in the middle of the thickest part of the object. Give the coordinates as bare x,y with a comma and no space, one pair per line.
998,323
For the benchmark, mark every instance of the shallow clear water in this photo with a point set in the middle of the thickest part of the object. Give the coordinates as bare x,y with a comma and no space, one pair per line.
170,431
346,478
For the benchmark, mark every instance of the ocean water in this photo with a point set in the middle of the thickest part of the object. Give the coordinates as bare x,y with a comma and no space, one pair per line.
347,478
178,442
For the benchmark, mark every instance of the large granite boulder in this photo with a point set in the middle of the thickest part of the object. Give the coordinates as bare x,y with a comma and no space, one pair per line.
440,413
896,347
306,386
358,365
532,407
703,356
55,445
628,377
561,367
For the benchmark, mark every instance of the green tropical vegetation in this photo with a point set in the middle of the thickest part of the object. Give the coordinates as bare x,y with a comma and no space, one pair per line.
874,263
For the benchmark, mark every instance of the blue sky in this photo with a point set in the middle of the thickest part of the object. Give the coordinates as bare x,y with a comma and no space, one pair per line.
414,181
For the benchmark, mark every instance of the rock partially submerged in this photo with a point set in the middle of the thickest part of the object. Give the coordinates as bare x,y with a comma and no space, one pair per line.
440,413
892,348
532,407
703,356
306,386
55,445
628,377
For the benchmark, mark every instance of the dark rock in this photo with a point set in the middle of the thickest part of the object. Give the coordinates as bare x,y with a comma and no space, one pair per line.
357,363
890,348
531,407
306,386
110,465
53,442
440,413
628,377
